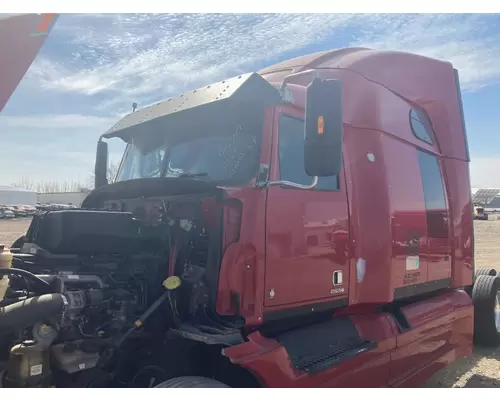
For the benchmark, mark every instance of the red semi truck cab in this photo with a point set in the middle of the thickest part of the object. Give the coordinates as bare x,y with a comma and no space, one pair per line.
387,241
395,222
317,218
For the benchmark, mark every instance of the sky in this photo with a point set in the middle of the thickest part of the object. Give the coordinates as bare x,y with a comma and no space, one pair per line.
94,66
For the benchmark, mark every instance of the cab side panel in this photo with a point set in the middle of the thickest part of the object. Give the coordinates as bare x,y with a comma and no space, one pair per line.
439,331
408,221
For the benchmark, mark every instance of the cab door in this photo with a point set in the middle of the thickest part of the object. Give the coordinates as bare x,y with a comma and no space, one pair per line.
307,231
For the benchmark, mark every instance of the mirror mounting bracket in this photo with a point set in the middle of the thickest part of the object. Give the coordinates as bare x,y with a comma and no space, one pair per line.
285,94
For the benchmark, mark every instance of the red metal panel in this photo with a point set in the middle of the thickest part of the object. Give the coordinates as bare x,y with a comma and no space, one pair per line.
21,37
442,329
307,240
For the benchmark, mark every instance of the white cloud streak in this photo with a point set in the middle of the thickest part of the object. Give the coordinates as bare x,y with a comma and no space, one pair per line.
147,57
463,40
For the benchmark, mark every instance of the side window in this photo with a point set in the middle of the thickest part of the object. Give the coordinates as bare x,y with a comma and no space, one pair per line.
434,195
421,125
291,155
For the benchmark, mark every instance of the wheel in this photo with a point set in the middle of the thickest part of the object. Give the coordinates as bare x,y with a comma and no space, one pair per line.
485,271
485,298
191,382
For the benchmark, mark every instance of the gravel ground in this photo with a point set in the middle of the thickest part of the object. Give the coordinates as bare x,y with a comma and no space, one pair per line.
481,370
10,230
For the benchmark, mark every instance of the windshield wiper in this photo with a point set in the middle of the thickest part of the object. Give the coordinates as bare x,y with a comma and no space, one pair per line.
190,175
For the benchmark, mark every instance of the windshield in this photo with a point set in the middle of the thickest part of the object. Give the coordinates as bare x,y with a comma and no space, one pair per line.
224,152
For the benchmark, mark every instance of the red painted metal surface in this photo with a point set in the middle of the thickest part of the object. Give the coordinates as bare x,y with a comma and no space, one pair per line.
382,200
21,37
307,238
371,220
245,259
442,332
462,221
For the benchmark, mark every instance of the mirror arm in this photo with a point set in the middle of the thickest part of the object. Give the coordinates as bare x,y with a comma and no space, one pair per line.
295,185
287,78
96,178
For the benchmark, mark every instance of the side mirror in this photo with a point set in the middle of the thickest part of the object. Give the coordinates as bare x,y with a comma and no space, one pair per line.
323,128
101,165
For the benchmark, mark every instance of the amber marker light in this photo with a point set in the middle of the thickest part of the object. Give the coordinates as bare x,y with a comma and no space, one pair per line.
321,125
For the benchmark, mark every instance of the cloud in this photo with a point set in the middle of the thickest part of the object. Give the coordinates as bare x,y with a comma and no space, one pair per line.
464,40
146,57
113,54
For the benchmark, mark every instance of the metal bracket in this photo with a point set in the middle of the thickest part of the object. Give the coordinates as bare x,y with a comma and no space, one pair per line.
263,176
295,185
285,94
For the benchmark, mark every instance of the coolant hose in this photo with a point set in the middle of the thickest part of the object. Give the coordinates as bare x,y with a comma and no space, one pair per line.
21,272
22,314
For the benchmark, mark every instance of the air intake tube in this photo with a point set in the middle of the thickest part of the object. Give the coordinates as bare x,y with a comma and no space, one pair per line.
43,308
25,313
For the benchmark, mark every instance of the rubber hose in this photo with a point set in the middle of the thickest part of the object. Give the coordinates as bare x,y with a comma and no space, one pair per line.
65,279
22,272
22,314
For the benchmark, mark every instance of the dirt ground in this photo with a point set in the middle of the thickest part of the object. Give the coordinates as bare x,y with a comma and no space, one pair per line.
482,369
10,230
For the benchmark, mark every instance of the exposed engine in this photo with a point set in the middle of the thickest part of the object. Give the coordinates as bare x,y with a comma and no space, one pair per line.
89,286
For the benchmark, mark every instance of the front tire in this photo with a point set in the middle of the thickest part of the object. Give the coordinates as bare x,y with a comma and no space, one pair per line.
486,301
191,382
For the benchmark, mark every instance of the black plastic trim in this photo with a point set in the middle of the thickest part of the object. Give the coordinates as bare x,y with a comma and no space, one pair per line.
318,347
461,107
421,288
309,309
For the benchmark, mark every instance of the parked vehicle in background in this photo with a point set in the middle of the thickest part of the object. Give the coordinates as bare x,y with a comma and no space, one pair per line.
19,211
11,208
480,213
6,213
30,210
54,207
41,207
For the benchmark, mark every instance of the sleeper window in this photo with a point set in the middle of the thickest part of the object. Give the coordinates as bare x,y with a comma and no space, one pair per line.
421,125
